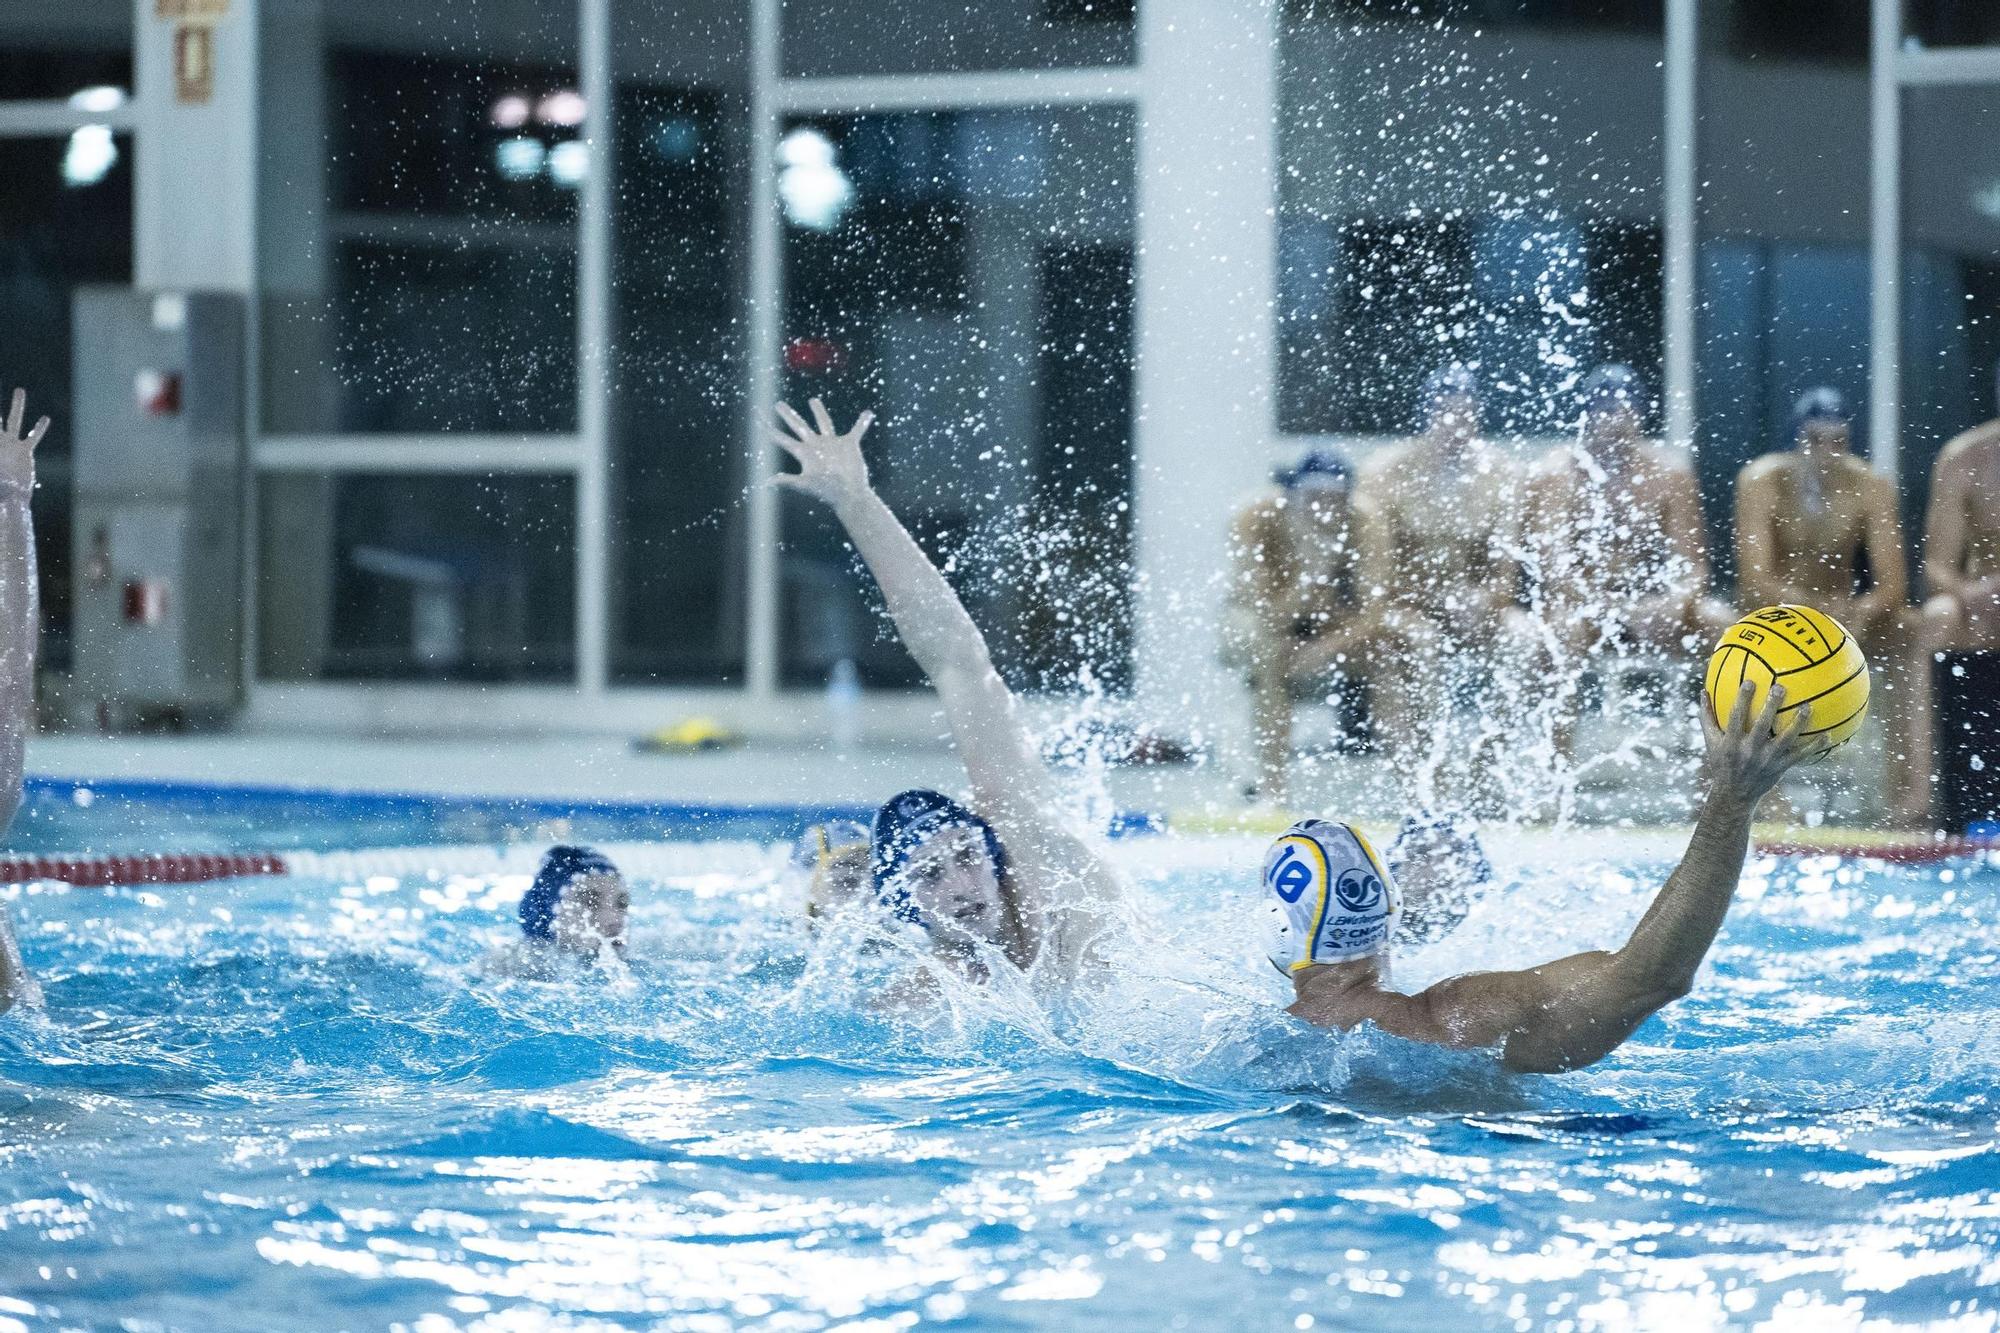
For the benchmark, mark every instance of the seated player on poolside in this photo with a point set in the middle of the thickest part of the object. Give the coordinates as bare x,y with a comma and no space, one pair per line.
1340,906
1437,525
1614,522
1962,576
1004,876
572,917
1817,526
1292,611
18,633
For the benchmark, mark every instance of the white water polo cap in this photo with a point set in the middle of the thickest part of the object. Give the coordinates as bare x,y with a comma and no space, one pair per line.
1335,899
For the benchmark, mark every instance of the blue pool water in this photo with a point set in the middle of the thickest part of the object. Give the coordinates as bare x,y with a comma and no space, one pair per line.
293,1103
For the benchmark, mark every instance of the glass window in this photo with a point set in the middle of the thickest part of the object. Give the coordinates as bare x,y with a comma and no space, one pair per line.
1952,22
79,49
679,302
414,577
1783,284
968,275
1795,30
418,221
1951,273
1447,194
834,37
65,221
1637,15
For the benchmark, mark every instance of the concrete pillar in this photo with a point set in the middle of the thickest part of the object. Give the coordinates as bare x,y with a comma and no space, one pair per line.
195,201
1206,287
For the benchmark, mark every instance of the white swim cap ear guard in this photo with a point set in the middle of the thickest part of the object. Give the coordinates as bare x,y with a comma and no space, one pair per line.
1335,899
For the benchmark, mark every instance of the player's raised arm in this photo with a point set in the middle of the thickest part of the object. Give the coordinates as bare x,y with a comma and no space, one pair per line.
999,756
18,593
1574,1011
1055,885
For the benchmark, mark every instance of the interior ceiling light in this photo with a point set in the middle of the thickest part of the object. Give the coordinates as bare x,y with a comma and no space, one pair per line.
99,98
565,106
91,154
510,112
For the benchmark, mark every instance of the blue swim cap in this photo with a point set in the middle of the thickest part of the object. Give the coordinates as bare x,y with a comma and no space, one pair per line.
1449,848
561,866
1318,467
902,825
1613,384
1824,403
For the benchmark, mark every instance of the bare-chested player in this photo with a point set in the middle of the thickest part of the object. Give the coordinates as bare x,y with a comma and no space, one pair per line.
1962,575
1292,613
1438,522
1814,524
1614,522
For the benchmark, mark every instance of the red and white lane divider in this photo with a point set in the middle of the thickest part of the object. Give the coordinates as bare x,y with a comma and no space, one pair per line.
726,861
648,860
102,872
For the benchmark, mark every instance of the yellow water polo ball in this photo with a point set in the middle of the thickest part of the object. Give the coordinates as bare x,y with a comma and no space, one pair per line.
1809,653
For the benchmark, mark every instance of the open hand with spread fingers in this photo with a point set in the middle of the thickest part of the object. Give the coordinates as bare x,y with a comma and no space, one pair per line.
17,451
830,462
1747,756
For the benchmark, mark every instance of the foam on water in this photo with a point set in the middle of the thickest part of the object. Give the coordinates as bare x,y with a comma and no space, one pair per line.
301,1096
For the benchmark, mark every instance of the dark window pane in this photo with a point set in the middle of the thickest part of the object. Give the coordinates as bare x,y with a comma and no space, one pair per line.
1636,15
417,577
54,51
1953,22
1951,272
833,37
1794,30
1505,216
65,220
681,190
421,165
1782,295
974,286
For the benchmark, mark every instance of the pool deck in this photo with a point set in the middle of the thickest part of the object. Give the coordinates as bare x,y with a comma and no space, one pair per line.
606,768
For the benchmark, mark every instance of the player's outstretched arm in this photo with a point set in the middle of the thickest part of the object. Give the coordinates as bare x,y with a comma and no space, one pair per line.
934,626
1575,1011
18,592
1009,783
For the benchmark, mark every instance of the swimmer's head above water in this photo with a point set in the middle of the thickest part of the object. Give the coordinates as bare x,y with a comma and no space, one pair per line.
836,856
1338,900
1442,868
939,866
578,902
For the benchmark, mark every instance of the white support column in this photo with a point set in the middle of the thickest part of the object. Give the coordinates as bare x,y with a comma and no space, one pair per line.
194,205
1681,222
1205,341
764,349
593,343
1885,377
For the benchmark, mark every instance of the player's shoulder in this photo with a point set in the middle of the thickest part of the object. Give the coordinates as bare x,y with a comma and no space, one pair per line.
1764,468
1962,448
1666,459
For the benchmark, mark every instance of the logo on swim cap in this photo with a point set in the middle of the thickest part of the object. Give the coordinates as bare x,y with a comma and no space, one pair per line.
1358,891
1290,875
1333,899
